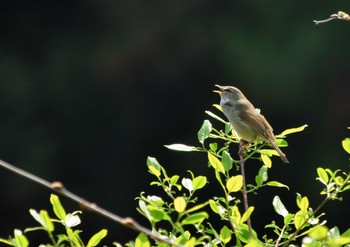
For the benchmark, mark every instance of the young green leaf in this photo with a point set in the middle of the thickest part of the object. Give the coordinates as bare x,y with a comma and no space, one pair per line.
213,146
279,207
204,131
299,219
57,207
266,160
181,147
322,175
142,241
225,234
215,116
247,214
236,215
318,232
216,207
153,166
293,130
20,239
226,160
234,183
277,184
304,204
199,182
216,163
180,204
195,218
346,144
96,238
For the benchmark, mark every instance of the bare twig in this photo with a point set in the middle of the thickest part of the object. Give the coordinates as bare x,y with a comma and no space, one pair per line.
245,193
338,16
59,188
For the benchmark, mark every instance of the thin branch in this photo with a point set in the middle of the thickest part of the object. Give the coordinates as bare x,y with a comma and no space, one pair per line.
59,188
245,193
338,16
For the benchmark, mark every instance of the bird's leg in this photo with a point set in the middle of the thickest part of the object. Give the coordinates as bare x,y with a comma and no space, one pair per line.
242,145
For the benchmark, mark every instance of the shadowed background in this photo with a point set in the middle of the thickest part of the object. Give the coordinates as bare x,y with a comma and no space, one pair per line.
89,89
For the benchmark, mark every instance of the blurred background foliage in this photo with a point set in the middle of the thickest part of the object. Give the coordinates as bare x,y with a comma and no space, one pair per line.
89,88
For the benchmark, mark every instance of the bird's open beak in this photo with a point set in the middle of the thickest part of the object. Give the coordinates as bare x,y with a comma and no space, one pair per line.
218,91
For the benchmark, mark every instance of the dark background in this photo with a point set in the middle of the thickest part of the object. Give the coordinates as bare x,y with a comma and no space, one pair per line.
89,89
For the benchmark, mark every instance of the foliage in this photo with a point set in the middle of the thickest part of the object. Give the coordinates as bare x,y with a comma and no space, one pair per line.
181,216
46,223
188,220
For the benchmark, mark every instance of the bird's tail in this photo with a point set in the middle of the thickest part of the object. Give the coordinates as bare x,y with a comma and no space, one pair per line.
281,154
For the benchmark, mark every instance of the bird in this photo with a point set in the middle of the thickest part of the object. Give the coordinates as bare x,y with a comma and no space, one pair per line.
246,120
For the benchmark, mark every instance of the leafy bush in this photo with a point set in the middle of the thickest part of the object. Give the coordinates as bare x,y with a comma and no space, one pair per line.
180,216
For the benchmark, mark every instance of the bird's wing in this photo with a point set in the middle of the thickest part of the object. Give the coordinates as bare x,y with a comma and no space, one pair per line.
256,121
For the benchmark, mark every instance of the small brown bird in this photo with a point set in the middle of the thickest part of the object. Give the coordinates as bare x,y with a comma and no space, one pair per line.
248,123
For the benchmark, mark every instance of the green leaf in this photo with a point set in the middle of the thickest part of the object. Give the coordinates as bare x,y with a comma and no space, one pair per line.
195,218
181,147
196,207
199,182
298,199
225,235
344,238
304,204
153,166
318,232
216,163
215,116
293,130
174,179
96,238
48,225
234,183
288,218
281,143
213,146
322,175
57,207
346,145
263,173
277,184
74,237
279,206
204,131
247,214
236,215
226,160
268,152
215,206
339,180
299,219
180,204
21,240
258,180
266,160
142,241
5,241
156,213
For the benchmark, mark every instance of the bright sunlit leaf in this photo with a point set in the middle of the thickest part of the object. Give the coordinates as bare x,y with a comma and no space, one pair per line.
346,144
181,147
293,130
266,160
234,183
216,163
